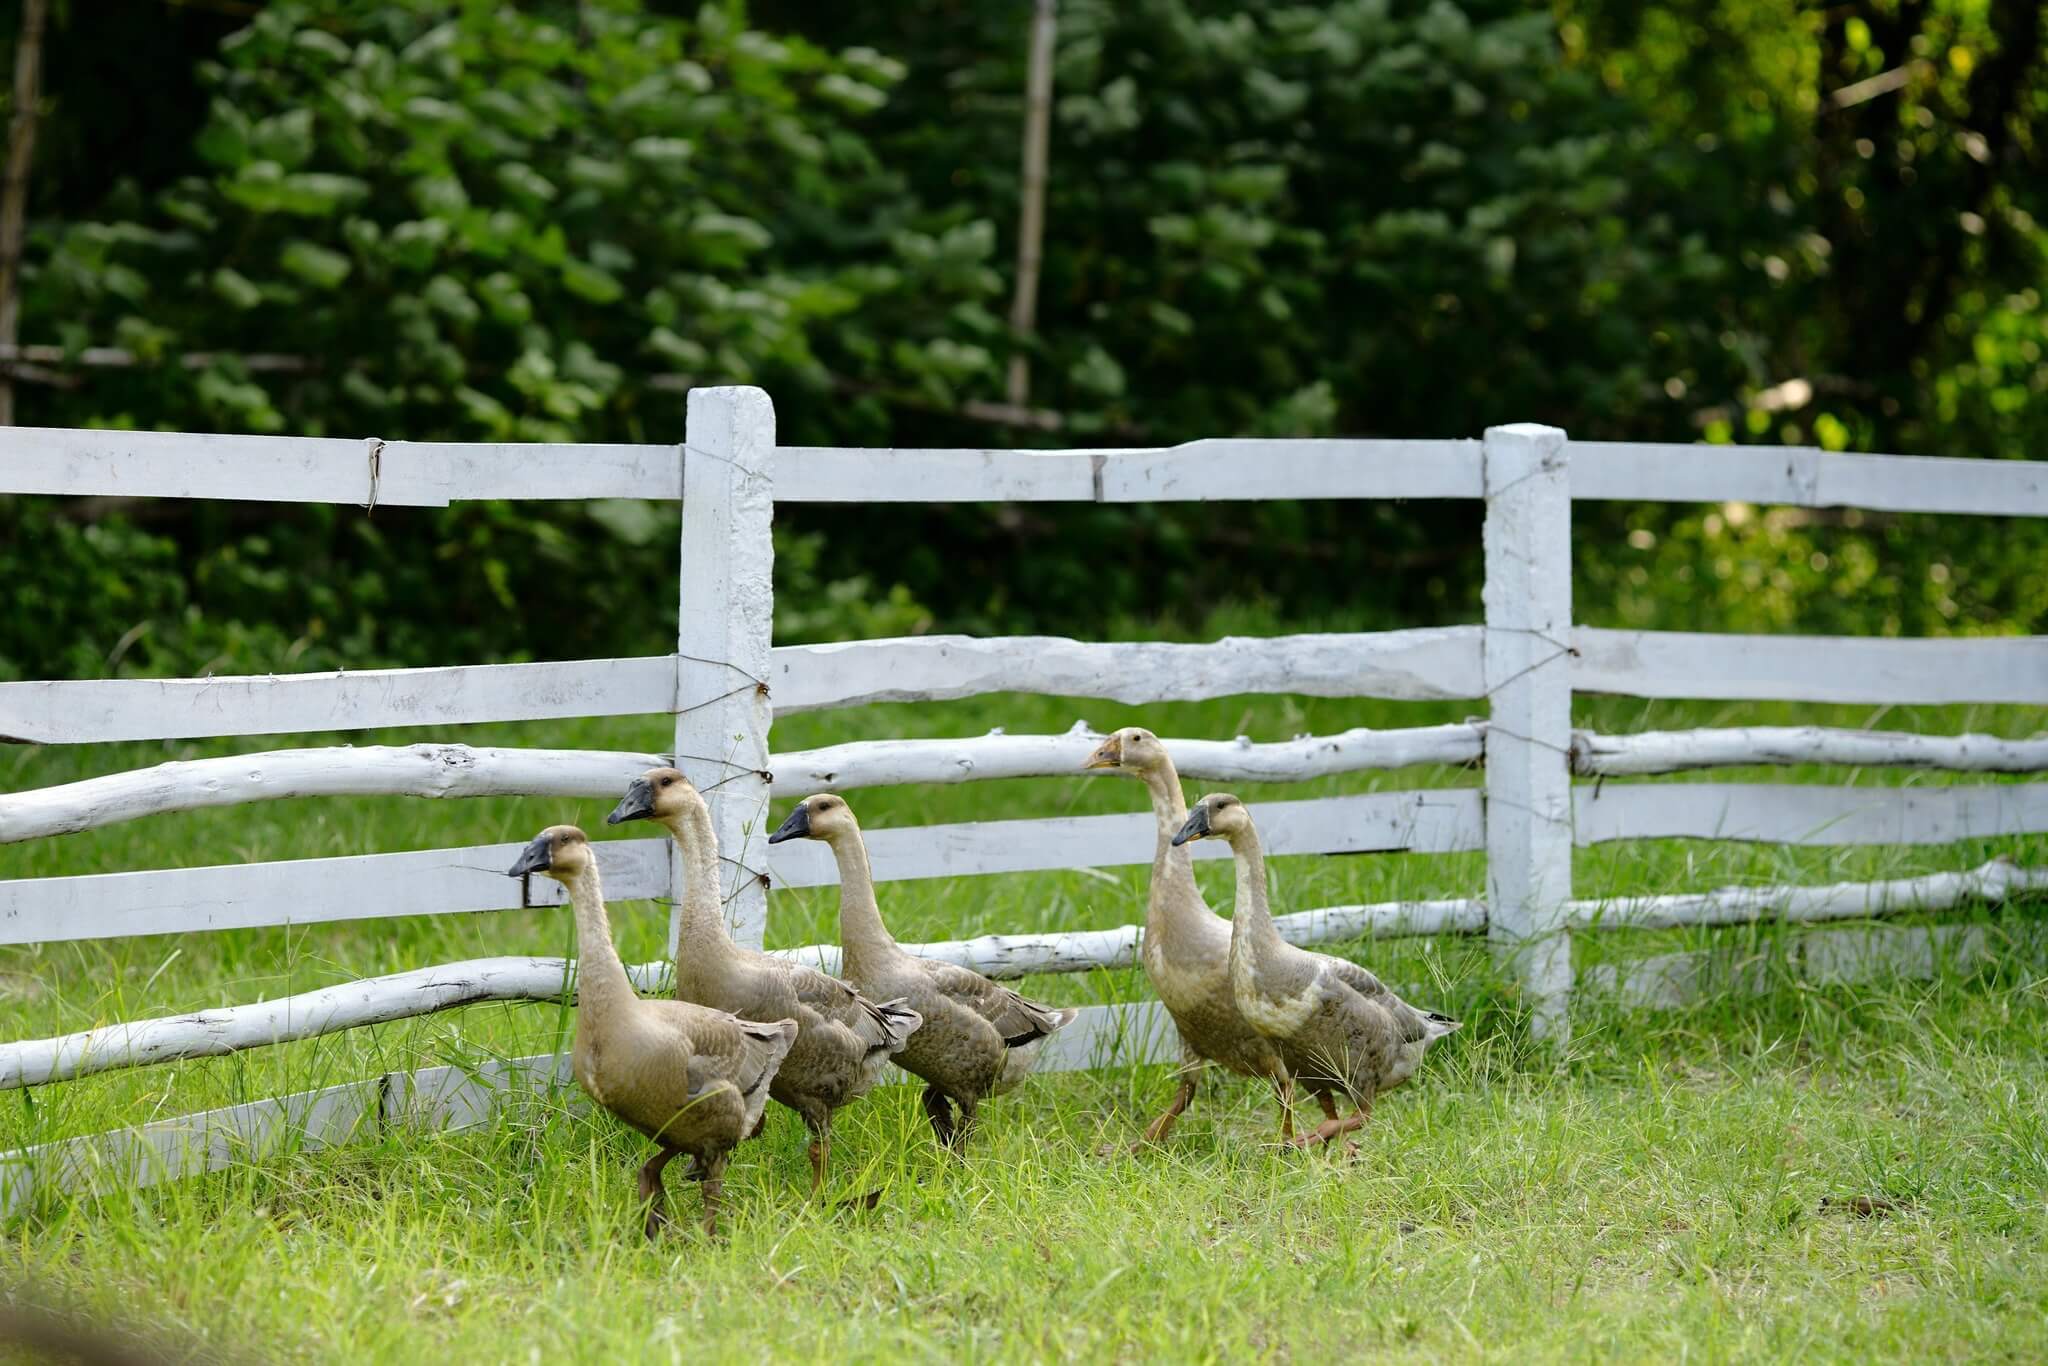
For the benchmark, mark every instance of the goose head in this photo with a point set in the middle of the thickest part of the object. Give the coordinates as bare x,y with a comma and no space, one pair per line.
659,794
1130,750
819,817
561,852
1217,816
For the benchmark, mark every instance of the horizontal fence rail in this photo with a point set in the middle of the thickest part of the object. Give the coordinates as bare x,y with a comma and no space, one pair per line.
1743,668
1441,820
433,474
1232,469
455,771
427,882
881,763
1418,665
1786,813
1800,476
1994,881
458,771
1242,469
366,771
1678,751
1005,956
94,710
240,896
307,469
306,1015
1423,664
830,474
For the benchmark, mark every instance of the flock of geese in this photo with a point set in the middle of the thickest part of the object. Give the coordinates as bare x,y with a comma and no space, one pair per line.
695,1073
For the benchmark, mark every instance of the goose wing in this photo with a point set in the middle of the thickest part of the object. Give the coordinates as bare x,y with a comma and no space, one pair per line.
886,1026
724,1047
1017,1018
1413,1024
1353,976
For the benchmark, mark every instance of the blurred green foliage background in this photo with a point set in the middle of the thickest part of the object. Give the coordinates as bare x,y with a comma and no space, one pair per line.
1744,221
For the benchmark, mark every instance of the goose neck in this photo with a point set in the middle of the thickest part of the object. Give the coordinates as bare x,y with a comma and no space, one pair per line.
1173,868
863,936
703,921
1252,916
602,986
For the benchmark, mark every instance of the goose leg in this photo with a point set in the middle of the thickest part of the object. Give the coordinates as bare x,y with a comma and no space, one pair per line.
1157,1130
940,1112
966,1127
711,1183
819,1122
651,1192
820,1152
1333,1126
1329,1104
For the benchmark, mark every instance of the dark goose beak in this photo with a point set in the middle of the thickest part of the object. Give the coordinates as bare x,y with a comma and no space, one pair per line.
636,805
536,857
798,826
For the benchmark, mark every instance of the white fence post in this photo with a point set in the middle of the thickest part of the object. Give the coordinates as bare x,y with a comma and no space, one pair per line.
1528,600
725,621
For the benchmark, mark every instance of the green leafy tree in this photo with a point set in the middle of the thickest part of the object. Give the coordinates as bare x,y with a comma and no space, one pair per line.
1747,220
1637,222
500,223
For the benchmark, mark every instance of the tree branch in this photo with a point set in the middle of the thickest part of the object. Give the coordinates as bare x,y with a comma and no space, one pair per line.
21,153
1031,201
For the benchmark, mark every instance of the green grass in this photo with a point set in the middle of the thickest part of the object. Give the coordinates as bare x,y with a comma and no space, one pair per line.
1675,1185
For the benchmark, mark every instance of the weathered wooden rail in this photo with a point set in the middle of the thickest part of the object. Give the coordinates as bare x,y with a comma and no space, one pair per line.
725,678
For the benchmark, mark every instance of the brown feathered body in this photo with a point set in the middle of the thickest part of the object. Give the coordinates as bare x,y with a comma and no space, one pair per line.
979,1038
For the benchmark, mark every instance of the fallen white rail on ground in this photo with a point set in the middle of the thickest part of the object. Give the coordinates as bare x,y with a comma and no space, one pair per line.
435,1099
425,991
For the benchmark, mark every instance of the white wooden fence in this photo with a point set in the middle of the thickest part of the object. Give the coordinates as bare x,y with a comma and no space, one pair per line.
1525,662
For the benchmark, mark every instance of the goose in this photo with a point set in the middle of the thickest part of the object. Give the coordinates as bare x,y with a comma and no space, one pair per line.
843,1041
1346,1029
1186,948
693,1080
978,1039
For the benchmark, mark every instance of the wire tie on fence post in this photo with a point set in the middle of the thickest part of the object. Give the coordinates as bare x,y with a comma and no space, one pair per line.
376,451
